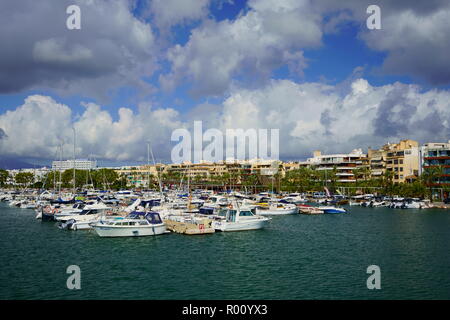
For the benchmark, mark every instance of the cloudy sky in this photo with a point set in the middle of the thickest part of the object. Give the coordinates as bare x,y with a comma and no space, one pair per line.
139,69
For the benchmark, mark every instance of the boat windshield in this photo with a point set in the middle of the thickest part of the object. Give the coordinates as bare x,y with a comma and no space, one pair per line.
86,212
223,213
232,215
153,218
245,213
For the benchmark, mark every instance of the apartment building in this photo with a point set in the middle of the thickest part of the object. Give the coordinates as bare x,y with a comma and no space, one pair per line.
377,162
403,160
139,176
69,164
345,164
436,155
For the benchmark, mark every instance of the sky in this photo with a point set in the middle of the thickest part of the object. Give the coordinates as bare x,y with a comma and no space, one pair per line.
139,69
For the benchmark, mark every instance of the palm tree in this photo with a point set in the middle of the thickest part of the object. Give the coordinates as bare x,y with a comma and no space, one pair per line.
387,179
357,172
431,176
333,177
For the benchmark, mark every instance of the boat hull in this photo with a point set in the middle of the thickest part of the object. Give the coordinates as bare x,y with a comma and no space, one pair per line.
276,212
240,226
333,211
129,231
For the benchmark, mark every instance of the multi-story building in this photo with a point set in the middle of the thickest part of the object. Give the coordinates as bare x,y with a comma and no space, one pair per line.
377,162
69,164
403,160
436,155
345,164
140,176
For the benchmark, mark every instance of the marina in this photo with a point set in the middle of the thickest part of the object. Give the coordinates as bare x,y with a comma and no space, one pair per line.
133,252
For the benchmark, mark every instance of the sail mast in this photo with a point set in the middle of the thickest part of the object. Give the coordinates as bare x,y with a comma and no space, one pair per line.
74,186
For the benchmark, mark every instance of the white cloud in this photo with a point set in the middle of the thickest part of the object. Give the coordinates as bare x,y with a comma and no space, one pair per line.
309,116
416,44
167,13
36,128
314,115
113,48
269,34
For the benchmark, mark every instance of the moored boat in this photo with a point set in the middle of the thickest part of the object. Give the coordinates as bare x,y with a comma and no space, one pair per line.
136,224
332,210
238,220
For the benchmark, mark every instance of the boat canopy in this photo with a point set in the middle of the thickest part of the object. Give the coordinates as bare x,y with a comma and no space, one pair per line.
151,216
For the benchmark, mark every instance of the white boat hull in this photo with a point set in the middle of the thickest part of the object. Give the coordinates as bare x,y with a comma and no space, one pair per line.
276,212
82,225
128,231
240,226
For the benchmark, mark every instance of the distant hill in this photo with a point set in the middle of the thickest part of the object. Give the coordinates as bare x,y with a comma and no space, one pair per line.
11,163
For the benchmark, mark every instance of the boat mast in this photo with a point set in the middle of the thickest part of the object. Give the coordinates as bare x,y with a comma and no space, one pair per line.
189,187
154,163
148,166
60,173
74,186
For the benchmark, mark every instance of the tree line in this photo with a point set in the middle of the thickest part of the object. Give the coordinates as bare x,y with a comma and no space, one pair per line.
305,179
97,179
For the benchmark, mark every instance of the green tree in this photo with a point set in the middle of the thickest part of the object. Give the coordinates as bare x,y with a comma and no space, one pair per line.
388,181
24,178
430,176
4,175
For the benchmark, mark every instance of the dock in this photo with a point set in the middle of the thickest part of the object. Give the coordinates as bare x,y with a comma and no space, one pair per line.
189,228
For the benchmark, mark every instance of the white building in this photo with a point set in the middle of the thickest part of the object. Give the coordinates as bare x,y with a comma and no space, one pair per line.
344,163
69,164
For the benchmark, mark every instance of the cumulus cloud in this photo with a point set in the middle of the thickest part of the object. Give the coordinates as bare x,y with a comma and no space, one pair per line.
415,35
417,43
168,13
112,49
309,116
268,35
315,115
40,125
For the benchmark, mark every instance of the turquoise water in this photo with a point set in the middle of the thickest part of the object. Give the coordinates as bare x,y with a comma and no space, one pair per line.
296,257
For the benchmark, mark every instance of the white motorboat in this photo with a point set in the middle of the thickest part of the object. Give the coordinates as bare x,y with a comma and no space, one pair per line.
238,220
136,224
82,220
79,209
294,198
274,209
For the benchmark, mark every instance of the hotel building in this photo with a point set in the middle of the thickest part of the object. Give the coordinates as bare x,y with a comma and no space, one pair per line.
69,164
345,164
434,155
403,160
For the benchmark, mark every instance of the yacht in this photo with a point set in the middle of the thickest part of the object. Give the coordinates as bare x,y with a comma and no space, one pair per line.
294,198
136,224
238,219
82,220
276,209
80,209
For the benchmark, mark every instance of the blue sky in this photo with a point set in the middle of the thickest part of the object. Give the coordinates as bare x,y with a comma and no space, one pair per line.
170,58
